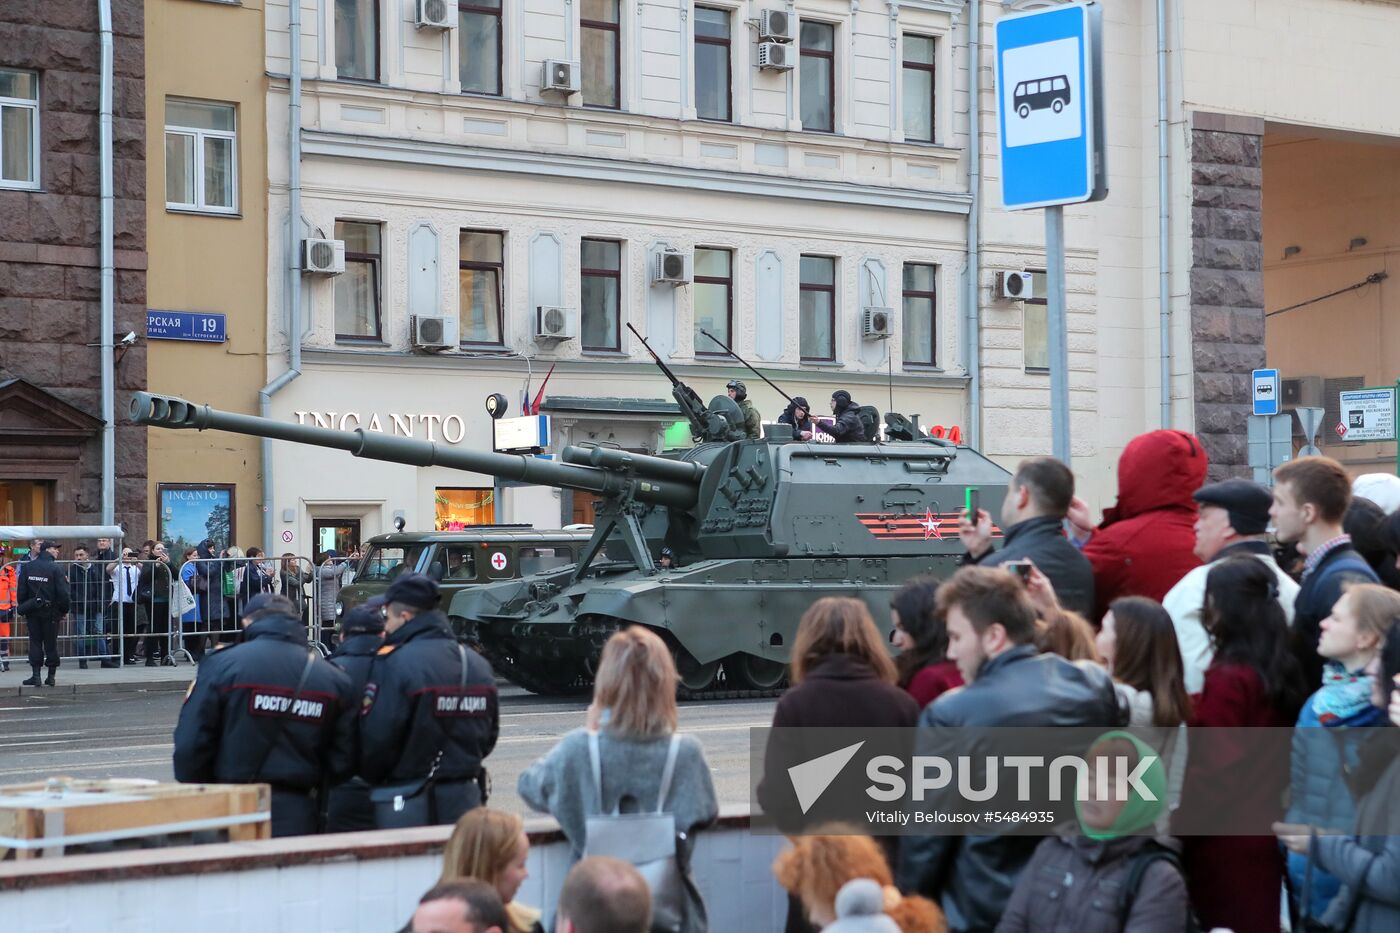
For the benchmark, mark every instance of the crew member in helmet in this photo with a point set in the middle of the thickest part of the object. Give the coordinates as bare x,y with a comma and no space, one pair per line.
739,392
666,560
848,428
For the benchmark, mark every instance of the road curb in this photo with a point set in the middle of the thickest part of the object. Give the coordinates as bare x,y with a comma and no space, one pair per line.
80,689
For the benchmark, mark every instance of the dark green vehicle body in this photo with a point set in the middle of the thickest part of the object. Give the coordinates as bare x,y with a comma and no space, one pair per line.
761,529
459,559
777,525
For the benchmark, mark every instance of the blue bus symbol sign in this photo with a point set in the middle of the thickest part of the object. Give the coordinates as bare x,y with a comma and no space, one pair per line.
1049,107
1266,401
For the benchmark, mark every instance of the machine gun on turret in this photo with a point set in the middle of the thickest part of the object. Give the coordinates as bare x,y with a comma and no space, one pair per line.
720,421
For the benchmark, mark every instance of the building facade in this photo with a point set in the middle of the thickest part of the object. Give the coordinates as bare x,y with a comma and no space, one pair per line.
501,216
50,263
207,223
531,222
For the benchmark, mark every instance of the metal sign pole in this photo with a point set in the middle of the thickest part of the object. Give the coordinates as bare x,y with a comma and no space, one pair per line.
1058,338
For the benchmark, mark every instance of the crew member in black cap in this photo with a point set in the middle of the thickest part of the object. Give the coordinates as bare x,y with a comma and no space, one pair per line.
269,709
1233,520
348,808
430,714
42,598
799,414
666,560
848,428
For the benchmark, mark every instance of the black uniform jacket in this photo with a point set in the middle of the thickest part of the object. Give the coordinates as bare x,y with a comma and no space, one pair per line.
354,656
43,589
241,703
414,705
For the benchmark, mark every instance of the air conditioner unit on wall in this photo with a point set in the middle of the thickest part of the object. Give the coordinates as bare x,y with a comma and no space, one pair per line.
775,56
322,257
671,267
560,77
436,14
434,333
876,323
1302,392
775,26
1015,286
553,324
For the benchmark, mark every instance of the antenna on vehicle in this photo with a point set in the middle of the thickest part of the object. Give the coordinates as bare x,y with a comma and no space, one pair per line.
725,347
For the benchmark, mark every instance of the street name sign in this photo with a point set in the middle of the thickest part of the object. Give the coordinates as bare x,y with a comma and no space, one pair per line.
1266,392
1049,106
198,326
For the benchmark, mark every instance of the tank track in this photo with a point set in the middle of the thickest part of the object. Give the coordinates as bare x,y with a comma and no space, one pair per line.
526,675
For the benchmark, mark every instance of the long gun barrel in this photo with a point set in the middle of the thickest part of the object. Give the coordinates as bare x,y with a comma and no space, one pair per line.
691,404
649,479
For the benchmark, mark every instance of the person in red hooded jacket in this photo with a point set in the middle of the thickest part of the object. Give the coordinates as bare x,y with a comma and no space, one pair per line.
1146,543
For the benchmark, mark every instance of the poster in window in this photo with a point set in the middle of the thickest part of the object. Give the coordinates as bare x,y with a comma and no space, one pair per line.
191,513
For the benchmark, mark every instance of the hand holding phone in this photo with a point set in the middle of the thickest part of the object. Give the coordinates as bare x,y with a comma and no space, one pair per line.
1021,568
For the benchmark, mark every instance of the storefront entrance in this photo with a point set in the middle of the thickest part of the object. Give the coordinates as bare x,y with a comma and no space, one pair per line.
340,534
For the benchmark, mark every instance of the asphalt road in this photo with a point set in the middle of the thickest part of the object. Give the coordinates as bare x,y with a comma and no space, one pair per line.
127,735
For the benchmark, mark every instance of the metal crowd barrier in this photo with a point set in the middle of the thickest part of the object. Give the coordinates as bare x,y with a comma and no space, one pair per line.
140,611
119,611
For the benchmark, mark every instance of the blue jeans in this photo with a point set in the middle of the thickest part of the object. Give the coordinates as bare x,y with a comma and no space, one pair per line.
89,634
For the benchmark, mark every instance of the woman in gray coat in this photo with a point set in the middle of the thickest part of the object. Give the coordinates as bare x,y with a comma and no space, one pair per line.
1368,862
633,719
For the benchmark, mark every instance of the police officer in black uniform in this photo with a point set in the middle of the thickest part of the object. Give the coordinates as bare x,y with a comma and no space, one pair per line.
269,709
361,636
430,714
42,598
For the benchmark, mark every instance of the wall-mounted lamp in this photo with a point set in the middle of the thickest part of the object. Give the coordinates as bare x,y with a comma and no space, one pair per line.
1356,243
1289,251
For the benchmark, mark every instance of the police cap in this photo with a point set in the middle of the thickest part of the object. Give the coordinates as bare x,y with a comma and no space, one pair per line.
1248,504
267,604
416,590
365,618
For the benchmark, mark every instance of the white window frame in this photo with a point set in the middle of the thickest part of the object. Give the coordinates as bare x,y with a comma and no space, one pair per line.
199,135
35,134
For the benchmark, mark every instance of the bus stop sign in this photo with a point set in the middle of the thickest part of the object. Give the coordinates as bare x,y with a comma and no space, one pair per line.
1049,106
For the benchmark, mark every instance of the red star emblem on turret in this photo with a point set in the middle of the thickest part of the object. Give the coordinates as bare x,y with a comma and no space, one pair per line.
930,526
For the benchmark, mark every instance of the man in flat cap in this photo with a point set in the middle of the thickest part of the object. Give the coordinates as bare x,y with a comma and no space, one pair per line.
429,716
1233,520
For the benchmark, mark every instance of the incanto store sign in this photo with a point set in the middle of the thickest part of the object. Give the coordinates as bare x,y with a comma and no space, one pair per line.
449,428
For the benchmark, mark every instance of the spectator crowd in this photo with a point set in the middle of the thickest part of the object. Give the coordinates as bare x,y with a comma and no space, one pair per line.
1189,606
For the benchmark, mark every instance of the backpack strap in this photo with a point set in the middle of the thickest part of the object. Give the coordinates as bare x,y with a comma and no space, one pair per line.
667,772
596,764
1137,870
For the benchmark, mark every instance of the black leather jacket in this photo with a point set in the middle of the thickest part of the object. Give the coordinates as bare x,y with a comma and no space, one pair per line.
973,876
414,705
1043,541
234,713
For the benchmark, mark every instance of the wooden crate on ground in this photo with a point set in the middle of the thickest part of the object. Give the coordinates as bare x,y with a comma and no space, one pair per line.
47,817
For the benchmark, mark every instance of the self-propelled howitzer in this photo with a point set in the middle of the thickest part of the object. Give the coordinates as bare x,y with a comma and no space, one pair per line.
760,530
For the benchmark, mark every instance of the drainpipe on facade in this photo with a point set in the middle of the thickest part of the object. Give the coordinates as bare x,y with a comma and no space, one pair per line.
974,189
108,275
293,265
1164,217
